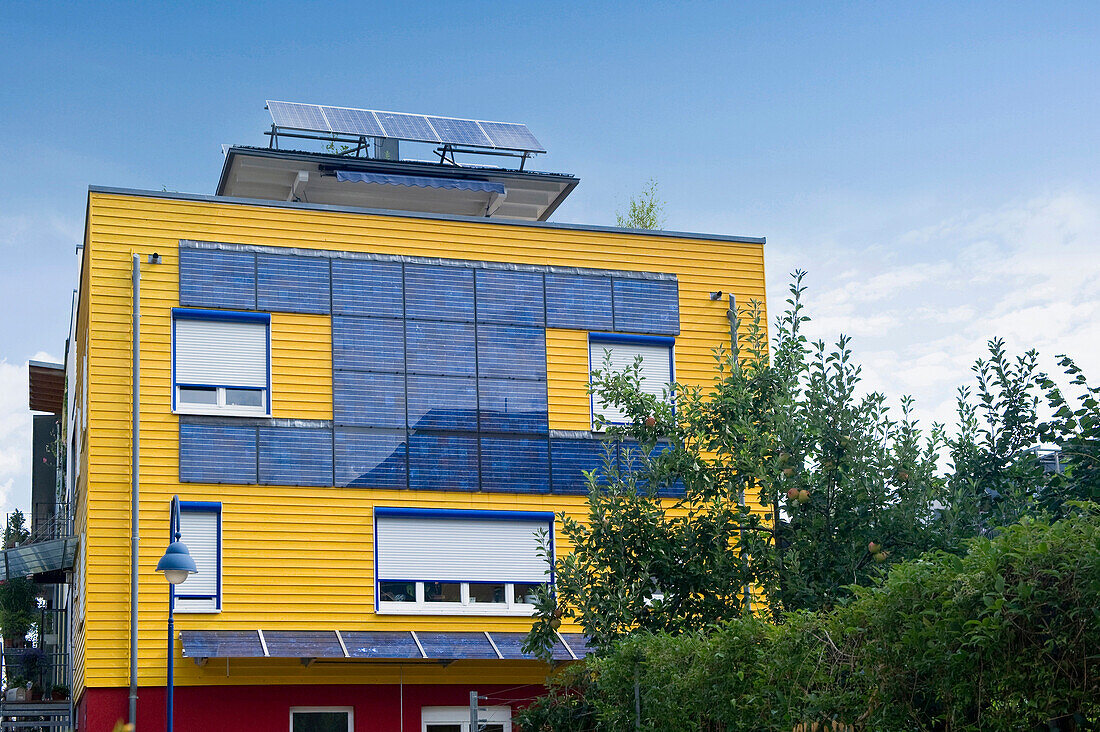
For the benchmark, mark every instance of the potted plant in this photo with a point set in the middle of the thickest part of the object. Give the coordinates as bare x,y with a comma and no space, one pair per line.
59,692
17,690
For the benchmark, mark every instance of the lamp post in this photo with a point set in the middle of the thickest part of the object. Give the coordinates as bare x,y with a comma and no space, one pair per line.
176,564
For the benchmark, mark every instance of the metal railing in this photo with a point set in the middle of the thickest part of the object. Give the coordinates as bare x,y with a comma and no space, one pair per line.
57,522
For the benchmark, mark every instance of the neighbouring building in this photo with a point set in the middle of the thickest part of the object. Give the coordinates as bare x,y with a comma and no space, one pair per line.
366,379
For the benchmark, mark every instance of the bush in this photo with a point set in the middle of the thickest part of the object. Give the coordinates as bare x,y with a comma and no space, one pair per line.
999,639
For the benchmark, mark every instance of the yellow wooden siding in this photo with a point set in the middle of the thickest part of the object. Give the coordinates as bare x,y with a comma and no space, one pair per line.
301,366
296,558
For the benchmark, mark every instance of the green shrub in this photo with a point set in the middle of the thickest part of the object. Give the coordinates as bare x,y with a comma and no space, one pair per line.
1003,638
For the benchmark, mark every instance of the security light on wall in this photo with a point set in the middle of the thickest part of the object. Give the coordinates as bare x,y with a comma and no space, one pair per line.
716,295
154,258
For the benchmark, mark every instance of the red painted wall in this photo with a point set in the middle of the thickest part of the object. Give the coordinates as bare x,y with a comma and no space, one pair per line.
217,708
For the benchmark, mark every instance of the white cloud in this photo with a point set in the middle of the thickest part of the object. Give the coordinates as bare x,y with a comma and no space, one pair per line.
15,434
921,302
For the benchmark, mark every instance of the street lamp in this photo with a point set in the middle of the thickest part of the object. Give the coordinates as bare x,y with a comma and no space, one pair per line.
176,564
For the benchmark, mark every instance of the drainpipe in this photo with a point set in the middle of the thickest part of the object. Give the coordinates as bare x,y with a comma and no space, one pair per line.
136,424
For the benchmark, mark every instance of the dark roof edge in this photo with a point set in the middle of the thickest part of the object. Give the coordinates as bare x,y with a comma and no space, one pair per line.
417,215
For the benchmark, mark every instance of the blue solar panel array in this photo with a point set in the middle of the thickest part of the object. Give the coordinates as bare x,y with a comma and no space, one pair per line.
439,370
401,126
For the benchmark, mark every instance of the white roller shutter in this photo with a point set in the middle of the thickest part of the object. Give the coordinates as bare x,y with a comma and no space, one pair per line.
656,371
199,532
458,550
221,352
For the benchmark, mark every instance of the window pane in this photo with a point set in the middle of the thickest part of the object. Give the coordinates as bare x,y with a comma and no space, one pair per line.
442,592
444,728
320,722
525,593
198,395
244,397
397,591
480,592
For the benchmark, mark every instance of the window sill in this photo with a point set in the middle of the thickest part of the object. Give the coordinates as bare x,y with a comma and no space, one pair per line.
483,609
190,411
194,611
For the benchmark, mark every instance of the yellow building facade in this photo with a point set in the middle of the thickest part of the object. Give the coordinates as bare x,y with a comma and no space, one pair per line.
426,386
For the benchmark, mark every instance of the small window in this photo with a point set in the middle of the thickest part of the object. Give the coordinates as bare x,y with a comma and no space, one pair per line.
200,531
623,350
322,719
221,362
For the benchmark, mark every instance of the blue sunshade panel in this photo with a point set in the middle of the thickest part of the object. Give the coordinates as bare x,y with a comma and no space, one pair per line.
439,293
579,302
510,646
363,399
647,306
303,644
211,278
443,462
214,453
381,644
368,344
364,287
221,644
371,458
293,284
513,298
457,645
515,464
296,456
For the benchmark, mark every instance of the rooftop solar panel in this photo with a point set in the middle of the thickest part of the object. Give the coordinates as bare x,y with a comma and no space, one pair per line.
401,126
353,121
460,131
298,116
511,136
407,126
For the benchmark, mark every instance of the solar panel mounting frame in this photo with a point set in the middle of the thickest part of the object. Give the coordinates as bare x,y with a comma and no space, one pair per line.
293,119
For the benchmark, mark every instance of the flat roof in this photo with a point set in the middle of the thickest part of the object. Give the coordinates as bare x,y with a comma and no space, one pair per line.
264,203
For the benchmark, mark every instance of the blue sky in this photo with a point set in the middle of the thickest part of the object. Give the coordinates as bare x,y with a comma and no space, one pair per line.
933,165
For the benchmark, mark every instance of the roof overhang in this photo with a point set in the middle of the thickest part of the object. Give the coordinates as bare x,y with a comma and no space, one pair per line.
281,175
47,386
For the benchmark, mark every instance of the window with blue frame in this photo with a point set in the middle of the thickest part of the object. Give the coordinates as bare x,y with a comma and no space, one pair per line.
201,533
446,562
221,362
619,352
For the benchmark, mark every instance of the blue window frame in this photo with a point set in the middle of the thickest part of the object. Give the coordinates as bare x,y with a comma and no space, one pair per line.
201,532
221,362
657,369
